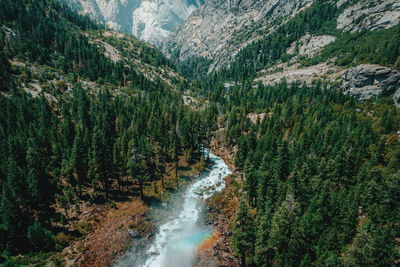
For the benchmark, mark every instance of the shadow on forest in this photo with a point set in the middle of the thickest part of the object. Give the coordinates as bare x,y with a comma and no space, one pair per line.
187,178
123,195
171,190
184,168
152,201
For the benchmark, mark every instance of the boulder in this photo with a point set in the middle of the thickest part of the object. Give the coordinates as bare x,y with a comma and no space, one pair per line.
366,81
133,233
396,98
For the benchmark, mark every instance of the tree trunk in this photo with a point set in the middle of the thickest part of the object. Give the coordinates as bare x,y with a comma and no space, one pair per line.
162,181
141,190
176,174
155,187
119,182
243,260
107,192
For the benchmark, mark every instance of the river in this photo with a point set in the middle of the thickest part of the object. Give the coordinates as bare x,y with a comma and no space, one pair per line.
181,233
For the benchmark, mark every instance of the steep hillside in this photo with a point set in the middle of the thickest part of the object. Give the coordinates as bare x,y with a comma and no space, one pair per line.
148,20
220,29
64,49
313,45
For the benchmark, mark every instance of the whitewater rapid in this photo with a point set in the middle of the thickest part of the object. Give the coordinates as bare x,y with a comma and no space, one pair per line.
177,239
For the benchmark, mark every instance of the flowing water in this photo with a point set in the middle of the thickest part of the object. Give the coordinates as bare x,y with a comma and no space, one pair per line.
178,238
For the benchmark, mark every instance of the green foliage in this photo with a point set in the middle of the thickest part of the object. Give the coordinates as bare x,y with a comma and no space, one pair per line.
378,47
315,169
320,18
194,68
321,170
5,67
40,238
48,155
48,29
243,232
49,33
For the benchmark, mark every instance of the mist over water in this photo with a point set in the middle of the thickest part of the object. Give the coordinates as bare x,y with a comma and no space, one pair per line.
177,239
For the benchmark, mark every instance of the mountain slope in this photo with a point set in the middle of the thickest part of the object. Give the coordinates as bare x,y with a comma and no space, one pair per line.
220,29
311,45
71,48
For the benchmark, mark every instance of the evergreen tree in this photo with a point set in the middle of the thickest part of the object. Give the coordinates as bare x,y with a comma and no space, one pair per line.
243,233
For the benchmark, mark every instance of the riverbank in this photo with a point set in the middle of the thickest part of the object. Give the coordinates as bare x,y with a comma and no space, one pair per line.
111,229
221,212
180,229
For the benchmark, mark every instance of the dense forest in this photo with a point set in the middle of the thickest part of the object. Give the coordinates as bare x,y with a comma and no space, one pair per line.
85,145
47,32
321,177
320,171
321,181
81,152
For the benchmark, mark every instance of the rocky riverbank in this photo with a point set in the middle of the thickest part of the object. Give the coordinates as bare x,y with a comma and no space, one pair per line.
109,230
220,214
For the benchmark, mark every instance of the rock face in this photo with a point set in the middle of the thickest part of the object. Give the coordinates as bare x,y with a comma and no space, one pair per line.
297,73
396,98
367,81
309,45
369,15
220,28
149,20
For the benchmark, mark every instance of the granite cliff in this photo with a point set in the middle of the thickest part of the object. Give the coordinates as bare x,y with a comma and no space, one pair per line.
149,20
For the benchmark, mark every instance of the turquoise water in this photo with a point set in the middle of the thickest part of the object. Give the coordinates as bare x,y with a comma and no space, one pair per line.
177,239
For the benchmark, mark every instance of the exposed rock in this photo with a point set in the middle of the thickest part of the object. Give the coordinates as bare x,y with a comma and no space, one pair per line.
369,15
10,35
8,32
133,233
366,81
111,52
298,73
256,117
309,45
396,98
148,20
189,100
220,28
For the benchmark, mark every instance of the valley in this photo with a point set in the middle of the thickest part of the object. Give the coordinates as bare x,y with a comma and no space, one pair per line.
199,133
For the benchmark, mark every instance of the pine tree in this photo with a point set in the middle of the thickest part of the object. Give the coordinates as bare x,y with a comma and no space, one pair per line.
243,233
14,220
136,166
175,155
282,227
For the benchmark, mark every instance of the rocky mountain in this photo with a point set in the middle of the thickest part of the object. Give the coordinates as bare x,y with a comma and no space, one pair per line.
367,81
149,20
219,29
219,33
